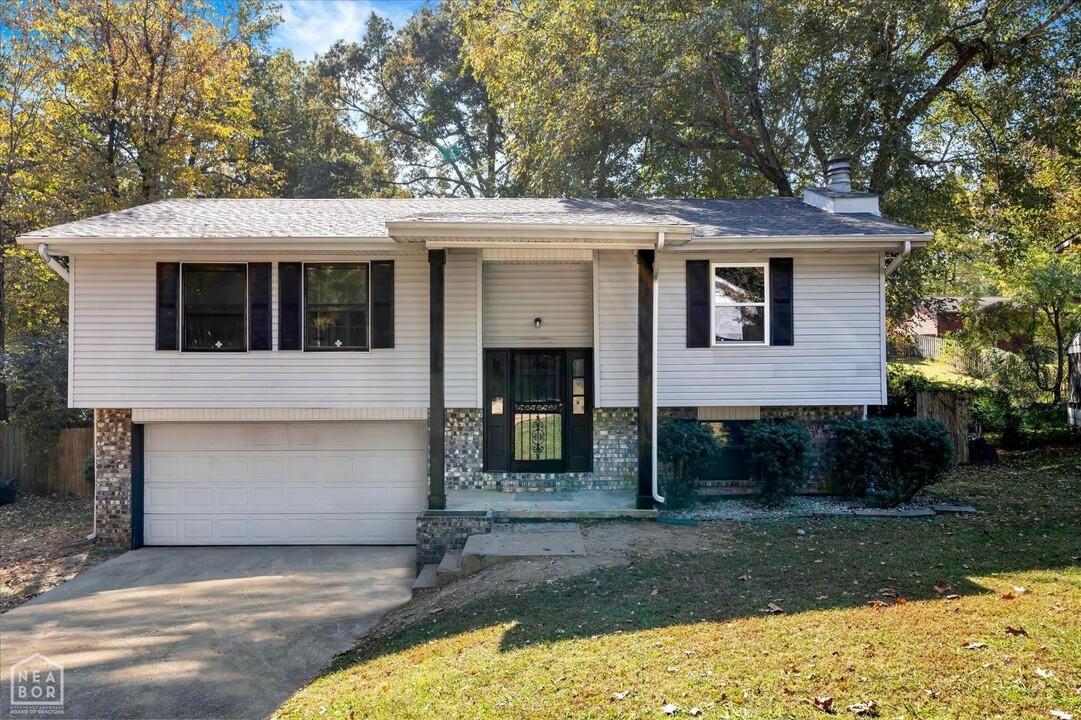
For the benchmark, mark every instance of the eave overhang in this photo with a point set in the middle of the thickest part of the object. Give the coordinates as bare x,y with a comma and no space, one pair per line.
836,243
443,234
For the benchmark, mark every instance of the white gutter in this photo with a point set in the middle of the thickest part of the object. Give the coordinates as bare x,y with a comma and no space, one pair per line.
43,253
899,258
653,445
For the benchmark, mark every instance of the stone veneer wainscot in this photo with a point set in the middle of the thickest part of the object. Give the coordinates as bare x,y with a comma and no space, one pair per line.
615,456
112,477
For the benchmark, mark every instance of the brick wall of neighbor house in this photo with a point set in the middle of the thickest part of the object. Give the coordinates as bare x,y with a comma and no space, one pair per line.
817,419
615,456
442,530
112,476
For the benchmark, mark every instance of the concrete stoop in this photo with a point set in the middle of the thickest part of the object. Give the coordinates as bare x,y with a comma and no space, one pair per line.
506,542
427,580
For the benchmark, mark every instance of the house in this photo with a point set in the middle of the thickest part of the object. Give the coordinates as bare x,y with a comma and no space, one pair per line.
939,316
324,371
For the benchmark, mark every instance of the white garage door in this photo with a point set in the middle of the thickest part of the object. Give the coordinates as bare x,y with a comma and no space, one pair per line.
284,483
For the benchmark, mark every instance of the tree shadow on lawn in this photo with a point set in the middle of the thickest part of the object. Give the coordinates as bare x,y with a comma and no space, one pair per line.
838,563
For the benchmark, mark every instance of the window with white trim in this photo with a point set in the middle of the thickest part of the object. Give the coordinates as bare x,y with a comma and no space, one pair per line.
740,303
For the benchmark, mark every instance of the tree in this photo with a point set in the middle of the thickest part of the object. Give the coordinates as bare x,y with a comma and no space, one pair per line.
149,98
415,92
304,135
781,86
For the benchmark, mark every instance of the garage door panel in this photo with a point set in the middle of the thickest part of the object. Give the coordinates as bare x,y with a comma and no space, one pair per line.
284,483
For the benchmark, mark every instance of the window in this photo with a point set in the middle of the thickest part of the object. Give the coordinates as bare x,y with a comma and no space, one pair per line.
740,304
213,301
336,306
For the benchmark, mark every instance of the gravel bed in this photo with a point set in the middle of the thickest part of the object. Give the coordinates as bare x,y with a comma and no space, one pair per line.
794,507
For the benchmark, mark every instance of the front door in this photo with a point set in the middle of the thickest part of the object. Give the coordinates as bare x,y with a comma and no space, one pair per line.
538,411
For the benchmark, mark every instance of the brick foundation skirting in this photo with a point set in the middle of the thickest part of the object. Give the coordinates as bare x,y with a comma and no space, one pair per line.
112,476
441,530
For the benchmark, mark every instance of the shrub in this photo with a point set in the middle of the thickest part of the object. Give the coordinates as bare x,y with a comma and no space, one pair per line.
778,456
858,455
685,445
921,453
88,469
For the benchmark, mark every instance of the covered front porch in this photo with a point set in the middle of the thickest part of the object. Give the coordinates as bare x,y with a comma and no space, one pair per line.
532,438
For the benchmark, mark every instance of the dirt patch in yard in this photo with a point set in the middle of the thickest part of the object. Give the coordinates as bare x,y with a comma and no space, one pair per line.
607,544
36,552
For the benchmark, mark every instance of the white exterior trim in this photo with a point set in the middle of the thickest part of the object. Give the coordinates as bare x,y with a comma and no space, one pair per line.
596,332
426,231
153,415
713,305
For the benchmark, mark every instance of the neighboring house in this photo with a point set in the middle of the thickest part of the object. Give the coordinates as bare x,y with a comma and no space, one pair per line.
263,371
937,317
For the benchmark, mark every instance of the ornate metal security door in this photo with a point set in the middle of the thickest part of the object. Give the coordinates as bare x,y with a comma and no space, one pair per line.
538,407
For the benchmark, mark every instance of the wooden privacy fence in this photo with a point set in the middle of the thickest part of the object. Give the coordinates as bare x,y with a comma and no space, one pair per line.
58,470
952,409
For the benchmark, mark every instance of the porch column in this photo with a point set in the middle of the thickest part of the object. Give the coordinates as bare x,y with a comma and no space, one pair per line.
645,379
437,494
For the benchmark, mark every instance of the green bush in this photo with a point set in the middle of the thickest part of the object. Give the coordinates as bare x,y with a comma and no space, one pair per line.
858,455
921,453
779,458
685,445
88,469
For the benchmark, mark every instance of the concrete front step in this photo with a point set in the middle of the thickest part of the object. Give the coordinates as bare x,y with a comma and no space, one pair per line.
509,541
483,551
426,580
449,568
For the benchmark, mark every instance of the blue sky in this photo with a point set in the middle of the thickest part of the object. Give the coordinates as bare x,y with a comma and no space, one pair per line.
312,26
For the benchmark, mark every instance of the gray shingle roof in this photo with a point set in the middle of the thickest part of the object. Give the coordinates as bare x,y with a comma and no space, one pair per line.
277,218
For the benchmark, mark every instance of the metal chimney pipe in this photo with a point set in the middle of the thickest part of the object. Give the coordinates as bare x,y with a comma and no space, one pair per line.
839,175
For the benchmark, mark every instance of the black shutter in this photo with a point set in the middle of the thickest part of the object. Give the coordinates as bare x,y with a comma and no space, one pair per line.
168,306
289,287
698,310
780,301
383,304
259,306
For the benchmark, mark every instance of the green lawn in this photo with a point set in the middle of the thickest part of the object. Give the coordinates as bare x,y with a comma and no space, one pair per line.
862,621
937,371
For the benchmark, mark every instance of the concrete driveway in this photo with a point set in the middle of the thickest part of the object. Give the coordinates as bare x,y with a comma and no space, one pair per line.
203,632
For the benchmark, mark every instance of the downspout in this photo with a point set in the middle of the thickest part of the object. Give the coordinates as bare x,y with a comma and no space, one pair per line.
53,263
653,425
56,267
899,258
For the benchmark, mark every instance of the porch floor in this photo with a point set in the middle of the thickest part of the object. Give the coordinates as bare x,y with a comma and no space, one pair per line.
579,504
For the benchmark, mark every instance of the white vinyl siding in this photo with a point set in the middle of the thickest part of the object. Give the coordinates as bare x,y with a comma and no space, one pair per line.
461,352
836,358
114,363
561,294
284,483
617,351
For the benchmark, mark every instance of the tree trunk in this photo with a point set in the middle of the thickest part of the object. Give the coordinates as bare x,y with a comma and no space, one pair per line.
3,334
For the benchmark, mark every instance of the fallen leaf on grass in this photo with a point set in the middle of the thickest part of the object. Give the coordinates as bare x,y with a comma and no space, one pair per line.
974,646
825,704
654,592
953,597
1008,596
877,604
867,709
1019,589
695,711
744,577
1045,674
772,609
620,695
942,587
1016,631
670,709
1061,715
